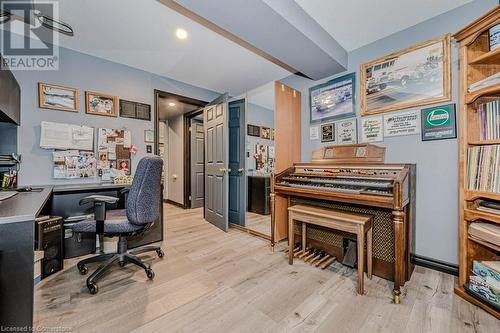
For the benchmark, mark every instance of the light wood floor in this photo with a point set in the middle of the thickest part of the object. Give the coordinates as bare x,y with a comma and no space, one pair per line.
211,281
259,223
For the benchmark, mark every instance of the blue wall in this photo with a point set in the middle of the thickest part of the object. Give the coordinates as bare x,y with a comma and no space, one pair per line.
89,73
437,161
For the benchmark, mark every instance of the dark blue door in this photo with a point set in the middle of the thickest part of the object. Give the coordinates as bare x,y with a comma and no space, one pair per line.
237,197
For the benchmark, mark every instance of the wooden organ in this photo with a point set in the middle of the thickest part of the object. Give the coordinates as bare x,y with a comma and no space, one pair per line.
355,178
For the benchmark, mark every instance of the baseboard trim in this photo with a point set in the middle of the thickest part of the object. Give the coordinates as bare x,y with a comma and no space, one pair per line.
435,264
174,203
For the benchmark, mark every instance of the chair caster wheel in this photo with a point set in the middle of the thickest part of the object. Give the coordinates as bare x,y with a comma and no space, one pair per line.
160,253
83,269
92,288
122,263
150,273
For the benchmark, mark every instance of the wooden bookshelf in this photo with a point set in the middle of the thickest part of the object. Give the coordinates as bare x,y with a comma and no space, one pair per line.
488,58
477,62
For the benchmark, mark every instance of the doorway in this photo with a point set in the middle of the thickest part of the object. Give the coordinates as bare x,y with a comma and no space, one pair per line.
173,142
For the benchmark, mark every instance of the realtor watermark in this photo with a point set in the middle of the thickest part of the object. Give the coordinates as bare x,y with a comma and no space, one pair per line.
25,43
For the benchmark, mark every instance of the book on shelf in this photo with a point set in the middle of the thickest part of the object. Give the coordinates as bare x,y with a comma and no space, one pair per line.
489,206
484,282
483,165
485,231
489,120
485,83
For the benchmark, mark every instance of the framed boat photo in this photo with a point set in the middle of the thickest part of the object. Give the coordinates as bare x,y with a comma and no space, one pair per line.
57,97
418,75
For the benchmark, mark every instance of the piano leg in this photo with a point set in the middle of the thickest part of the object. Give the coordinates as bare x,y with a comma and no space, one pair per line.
398,218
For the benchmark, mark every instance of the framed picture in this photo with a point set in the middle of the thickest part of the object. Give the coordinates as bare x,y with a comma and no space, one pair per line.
149,149
55,97
439,123
418,75
333,99
328,132
265,132
101,104
135,110
253,130
494,34
149,136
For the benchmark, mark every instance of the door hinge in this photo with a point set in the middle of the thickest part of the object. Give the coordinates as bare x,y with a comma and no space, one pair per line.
189,128
189,197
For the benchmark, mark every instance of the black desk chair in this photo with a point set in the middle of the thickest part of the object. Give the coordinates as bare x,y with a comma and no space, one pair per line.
143,209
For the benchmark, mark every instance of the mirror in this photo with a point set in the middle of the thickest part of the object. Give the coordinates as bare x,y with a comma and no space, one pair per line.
260,157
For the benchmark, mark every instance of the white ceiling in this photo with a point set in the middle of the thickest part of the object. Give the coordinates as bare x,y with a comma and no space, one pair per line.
355,23
262,96
141,34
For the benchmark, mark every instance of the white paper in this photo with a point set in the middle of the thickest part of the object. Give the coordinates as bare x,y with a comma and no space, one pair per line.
404,123
314,133
372,129
347,132
60,155
127,139
66,136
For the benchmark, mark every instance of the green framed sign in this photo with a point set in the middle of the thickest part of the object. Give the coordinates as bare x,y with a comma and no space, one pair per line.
439,123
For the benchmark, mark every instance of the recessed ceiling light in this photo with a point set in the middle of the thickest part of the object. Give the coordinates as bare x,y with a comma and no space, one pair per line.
171,104
181,33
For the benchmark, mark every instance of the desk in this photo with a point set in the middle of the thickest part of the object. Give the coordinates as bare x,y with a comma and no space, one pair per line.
17,231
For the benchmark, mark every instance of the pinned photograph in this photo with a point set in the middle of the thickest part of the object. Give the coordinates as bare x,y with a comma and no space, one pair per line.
123,165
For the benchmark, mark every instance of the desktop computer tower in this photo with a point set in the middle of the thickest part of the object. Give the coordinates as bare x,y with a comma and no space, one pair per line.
49,239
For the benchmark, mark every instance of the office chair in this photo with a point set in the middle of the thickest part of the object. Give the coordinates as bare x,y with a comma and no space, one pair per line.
142,210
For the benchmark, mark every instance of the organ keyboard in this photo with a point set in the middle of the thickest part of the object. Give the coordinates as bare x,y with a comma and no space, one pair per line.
355,178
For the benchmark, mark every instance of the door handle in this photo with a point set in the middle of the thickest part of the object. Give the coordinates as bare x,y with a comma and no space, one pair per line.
224,170
241,170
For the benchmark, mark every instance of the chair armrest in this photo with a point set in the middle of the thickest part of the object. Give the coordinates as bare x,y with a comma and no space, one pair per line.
125,190
98,198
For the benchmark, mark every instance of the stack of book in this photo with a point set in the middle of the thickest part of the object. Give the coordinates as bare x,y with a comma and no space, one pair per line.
485,282
483,165
489,120
489,206
486,232
485,83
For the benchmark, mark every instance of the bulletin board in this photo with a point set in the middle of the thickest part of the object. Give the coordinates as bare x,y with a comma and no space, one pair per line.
113,151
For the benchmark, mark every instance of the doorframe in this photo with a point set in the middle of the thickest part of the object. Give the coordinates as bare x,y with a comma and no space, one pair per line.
184,99
187,155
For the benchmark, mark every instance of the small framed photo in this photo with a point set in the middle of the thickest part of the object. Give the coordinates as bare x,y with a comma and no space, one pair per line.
149,136
253,130
328,132
101,104
56,97
265,133
149,149
494,34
